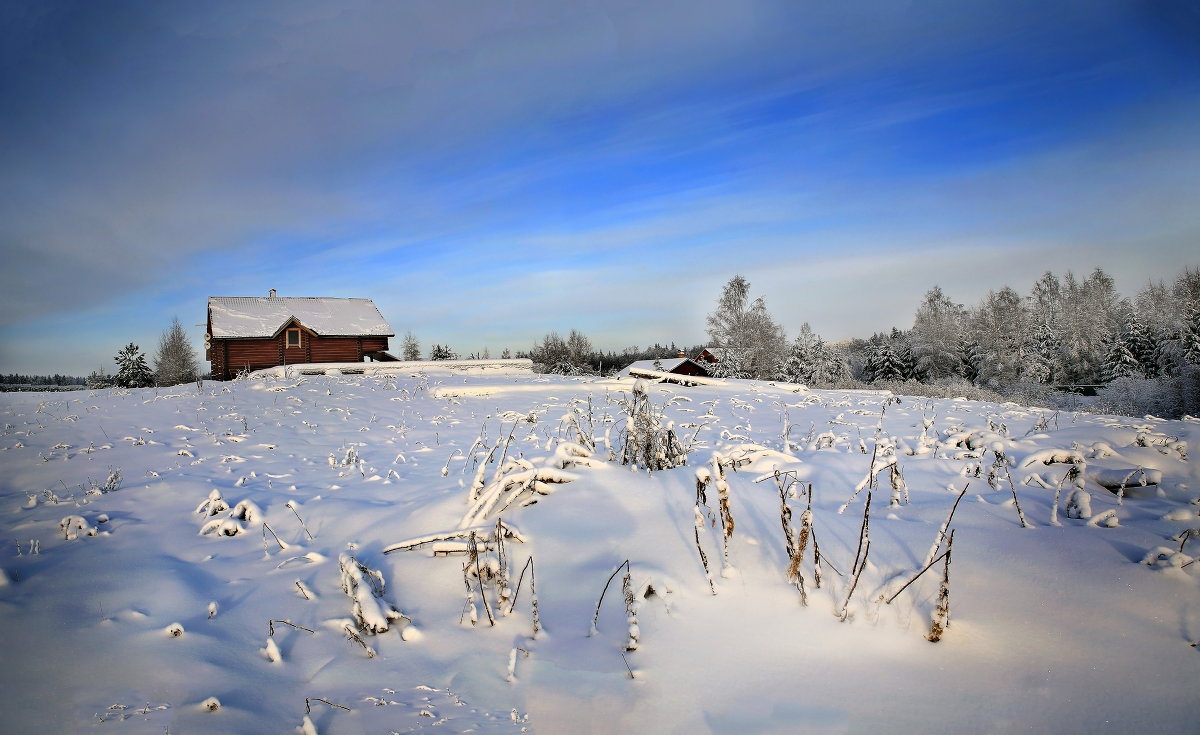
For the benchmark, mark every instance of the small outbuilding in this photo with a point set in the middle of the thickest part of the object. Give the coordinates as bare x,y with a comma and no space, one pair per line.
252,333
673,365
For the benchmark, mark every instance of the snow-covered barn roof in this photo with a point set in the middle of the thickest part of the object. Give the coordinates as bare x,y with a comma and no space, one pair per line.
667,365
250,316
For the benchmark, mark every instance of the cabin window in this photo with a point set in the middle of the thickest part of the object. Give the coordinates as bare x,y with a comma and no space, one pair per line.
293,338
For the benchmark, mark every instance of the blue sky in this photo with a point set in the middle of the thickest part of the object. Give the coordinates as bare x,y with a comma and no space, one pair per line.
490,171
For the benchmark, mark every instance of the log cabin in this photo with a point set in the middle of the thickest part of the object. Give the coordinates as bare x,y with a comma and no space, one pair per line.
251,333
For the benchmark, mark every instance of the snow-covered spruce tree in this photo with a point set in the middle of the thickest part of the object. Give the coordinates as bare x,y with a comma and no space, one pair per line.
1119,362
133,372
1140,344
968,354
442,352
99,379
1189,337
831,366
733,324
410,348
800,363
175,362
1041,355
902,344
883,364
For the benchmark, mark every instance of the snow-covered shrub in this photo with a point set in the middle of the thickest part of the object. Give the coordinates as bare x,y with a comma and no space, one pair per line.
74,526
111,484
365,587
647,441
1169,397
349,458
213,505
1079,504
1162,557
222,527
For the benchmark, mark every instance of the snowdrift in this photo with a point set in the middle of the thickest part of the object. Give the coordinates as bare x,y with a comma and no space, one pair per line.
464,552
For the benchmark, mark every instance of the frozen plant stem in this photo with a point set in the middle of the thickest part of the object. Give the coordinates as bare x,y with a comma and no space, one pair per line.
596,617
309,700
537,623
860,558
271,626
357,639
473,551
941,535
1001,462
941,611
292,508
699,524
268,528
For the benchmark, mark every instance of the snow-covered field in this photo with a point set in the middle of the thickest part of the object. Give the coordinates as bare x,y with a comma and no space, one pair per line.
143,603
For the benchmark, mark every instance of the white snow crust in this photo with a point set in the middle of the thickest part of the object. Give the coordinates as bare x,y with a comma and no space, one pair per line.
307,510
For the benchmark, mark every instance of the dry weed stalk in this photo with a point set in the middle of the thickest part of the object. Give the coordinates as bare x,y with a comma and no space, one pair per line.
596,617
793,543
503,591
630,611
941,611
716,473
860,558
474,562
1076,477
899,487
702,501
928,565
1001,463
533,605
358,639
941,534
291,504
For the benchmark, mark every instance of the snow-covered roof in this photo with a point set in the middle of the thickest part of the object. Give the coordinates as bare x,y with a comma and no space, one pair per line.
666,365
249,316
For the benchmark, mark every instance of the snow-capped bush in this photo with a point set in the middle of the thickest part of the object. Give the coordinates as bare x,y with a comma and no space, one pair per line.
73,526
647,441
365,587
1162,557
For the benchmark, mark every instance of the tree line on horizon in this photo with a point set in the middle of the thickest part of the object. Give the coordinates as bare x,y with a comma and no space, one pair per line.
1065,331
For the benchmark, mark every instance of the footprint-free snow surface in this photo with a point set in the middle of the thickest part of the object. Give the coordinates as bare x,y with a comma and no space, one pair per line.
351,554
